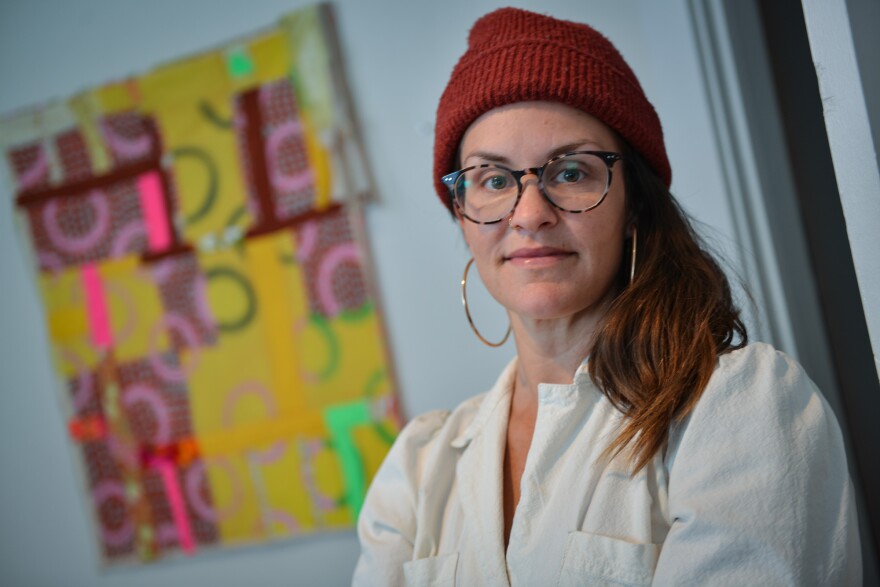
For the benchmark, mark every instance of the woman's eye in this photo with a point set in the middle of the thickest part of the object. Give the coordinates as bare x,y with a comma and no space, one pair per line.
570,176
496,182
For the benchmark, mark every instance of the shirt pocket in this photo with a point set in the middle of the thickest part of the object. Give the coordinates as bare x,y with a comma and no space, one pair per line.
436,571
591,559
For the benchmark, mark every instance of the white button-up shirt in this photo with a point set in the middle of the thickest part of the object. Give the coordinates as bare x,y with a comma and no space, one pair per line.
752,489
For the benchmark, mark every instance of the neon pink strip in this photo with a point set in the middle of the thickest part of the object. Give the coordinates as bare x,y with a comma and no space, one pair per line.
178,508
155,214
96,306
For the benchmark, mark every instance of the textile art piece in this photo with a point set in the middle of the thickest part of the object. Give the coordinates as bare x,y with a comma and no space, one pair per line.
199,249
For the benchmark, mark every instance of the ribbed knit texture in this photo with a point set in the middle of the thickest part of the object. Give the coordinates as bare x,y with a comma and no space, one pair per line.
518,56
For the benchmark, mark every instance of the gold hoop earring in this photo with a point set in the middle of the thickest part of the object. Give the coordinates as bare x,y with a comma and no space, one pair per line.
467,311
632,259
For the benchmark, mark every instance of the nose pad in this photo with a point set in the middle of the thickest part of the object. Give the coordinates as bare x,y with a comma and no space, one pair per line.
533,209
531,181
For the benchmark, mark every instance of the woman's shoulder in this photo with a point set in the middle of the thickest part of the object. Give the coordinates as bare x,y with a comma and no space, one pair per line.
758,376
445,428
759,467
761,374
438,428
758,358
425,450
758,395
430,427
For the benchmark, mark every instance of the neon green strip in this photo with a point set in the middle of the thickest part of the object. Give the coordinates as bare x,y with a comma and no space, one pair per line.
239,63
340,420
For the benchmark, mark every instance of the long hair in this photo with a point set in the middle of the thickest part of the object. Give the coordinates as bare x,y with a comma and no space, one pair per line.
659,342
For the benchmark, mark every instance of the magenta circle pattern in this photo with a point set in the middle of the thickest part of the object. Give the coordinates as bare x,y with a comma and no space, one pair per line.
332,259
104,491
186,330
197,475
79,244
140,392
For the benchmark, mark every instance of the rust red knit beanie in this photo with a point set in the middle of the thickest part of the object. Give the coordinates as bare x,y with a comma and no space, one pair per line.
515,55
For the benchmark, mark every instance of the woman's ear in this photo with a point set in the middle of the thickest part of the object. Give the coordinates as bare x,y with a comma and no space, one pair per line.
633,210
631,225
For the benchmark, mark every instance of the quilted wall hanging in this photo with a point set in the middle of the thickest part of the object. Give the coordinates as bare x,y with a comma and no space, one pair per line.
198,245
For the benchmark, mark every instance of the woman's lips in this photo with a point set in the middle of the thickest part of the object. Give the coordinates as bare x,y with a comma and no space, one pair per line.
538,256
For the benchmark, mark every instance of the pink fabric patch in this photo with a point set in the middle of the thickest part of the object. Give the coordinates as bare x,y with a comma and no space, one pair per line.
96,307
155,213
178,508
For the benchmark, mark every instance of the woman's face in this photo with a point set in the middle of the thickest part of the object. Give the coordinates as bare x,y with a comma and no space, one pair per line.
546,263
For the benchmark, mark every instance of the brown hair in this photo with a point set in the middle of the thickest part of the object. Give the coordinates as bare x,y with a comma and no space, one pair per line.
659,342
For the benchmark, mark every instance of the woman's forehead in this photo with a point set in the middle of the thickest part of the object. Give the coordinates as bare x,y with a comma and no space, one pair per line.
531,129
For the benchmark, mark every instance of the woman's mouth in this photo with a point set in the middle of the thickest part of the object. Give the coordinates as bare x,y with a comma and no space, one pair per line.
537,256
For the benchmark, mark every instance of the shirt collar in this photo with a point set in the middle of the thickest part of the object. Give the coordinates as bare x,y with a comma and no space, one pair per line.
502,388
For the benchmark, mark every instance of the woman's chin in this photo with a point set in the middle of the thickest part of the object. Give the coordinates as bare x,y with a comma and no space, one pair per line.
542,310
551,303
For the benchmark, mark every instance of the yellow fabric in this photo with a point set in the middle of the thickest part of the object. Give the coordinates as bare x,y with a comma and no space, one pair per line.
371,446
133,305
135,310
67,322
319,161
234,498
270,59
281,496
118,97
63,296
328,478
360,349
205,154
265,265
261,434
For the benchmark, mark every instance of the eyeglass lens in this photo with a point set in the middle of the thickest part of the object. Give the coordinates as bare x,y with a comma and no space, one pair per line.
575,182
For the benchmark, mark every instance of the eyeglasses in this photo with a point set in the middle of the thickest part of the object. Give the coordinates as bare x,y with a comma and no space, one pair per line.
573,182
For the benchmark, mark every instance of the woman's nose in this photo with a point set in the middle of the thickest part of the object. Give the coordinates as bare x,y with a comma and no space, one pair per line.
533,211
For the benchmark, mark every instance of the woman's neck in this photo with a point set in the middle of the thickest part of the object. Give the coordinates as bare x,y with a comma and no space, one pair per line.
548,351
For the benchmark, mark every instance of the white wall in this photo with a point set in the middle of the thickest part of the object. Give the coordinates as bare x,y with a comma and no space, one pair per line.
844,46
399,55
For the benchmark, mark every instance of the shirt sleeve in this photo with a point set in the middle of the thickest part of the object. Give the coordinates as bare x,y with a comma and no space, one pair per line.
759,492
387,521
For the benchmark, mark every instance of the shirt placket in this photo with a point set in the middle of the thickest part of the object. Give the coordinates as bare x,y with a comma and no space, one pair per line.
555,402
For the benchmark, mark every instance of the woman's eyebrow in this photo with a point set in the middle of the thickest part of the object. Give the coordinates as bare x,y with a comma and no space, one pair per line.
580,145
567,148
488,156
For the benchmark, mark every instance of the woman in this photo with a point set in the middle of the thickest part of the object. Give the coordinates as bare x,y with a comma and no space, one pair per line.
636,439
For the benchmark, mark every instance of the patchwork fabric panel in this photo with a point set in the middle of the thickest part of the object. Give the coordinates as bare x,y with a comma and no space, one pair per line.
216,341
